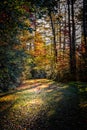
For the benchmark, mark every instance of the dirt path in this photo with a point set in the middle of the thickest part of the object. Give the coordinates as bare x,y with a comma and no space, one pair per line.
40,105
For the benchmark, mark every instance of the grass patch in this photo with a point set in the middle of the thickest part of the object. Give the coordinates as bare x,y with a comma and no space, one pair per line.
43,105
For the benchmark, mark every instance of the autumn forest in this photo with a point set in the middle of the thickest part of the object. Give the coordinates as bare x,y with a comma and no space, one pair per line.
43,64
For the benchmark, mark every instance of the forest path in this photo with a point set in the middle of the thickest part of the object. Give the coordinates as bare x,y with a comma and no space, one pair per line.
41,104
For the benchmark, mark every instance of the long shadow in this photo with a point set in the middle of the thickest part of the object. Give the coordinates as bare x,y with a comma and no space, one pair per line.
82,87
67,113
10,104
20,90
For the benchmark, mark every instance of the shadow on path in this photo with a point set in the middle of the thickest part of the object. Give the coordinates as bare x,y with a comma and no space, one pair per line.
61,110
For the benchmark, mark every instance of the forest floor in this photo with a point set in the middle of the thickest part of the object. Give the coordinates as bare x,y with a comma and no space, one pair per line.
43,104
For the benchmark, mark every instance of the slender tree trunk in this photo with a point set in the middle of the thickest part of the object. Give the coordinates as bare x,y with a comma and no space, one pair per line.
54,38
64,45
72,40
59,29
69,27
73,43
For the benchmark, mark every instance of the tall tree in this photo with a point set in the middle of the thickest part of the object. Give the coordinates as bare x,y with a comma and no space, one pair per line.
72,38
54,36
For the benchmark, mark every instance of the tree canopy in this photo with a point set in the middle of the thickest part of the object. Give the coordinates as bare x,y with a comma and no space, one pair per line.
42,39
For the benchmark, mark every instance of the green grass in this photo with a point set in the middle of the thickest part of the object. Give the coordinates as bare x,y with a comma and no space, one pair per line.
44,105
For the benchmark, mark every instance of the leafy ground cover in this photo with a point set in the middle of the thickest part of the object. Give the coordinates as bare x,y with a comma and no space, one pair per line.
43,104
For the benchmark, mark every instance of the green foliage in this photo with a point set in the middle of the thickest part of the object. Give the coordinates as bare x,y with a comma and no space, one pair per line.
11,67
17,22
11,58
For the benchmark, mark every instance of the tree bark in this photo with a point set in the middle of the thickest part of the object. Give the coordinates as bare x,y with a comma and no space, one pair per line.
54,38
72,40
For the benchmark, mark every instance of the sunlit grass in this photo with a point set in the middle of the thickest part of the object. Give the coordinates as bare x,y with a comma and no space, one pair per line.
7,98
34,96
27,99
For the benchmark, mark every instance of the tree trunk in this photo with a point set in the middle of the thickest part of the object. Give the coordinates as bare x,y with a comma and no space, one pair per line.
84,24
72,40
54,38
73,69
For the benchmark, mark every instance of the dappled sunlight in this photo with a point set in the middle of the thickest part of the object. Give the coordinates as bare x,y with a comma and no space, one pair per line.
30,84
83,105
49,90
8,98
58,98
36,86
44,86
50,113
36,102
30,108
43,61
53,96
38,99
29,97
